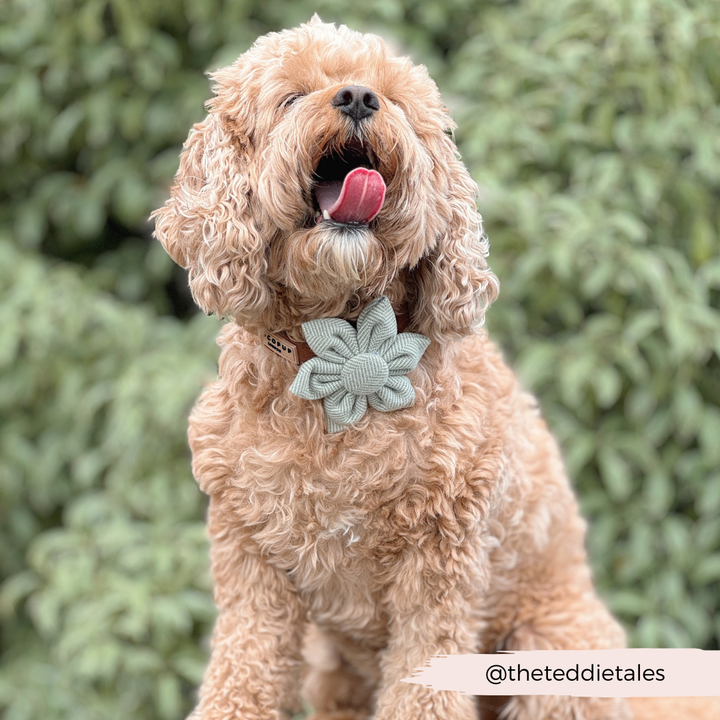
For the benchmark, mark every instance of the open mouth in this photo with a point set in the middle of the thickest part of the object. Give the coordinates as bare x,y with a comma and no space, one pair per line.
348,190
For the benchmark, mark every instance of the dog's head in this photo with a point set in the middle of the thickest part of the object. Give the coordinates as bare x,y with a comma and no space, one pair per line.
277,225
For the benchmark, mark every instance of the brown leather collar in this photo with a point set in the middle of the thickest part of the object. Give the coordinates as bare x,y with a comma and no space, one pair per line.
298,352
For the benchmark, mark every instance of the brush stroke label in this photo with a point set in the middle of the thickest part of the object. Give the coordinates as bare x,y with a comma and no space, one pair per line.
578,673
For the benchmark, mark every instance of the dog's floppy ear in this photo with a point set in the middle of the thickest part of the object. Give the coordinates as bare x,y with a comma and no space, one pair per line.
453,283
207,225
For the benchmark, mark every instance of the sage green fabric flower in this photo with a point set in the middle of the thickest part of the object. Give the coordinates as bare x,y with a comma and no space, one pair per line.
354,368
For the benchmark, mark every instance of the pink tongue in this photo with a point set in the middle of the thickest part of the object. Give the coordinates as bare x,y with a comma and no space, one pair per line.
357,200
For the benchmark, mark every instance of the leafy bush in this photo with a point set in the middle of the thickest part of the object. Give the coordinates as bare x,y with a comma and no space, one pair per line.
97,97
593,131
101,533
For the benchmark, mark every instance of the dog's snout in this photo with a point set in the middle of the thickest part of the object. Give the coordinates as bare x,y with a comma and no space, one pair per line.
356,101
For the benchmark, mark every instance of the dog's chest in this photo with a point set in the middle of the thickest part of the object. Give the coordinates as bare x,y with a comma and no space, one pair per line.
313,519
330,528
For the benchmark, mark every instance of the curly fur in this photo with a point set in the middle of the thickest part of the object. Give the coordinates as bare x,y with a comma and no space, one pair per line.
447,527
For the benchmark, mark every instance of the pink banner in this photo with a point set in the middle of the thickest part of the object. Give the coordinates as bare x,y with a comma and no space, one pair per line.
579,673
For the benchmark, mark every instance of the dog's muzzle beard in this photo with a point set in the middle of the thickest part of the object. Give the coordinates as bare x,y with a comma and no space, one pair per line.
332,260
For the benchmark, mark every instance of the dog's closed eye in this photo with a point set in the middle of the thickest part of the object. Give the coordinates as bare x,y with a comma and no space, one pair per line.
290,99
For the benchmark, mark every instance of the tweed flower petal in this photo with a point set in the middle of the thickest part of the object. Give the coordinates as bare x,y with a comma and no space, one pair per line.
344,408
376,325
331,338
316,378
405,352
397,393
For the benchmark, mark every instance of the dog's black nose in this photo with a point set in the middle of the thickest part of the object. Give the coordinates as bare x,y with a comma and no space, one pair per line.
356,101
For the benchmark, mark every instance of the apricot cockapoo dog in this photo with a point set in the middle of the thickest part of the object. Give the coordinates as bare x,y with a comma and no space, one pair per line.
381,489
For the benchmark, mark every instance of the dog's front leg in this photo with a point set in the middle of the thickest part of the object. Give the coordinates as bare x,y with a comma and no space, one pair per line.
430,615
255,663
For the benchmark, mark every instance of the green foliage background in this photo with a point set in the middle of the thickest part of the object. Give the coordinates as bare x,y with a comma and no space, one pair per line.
593,129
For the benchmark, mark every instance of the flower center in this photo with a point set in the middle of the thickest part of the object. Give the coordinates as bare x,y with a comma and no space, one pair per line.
364,374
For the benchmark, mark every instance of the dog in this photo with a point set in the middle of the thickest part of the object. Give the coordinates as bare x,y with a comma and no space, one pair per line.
381,489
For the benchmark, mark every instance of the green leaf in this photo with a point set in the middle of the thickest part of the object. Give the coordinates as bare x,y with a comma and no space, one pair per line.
707,570
616,474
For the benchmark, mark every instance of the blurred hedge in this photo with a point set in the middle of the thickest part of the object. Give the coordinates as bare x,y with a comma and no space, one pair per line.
593,129
594,132
101,534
